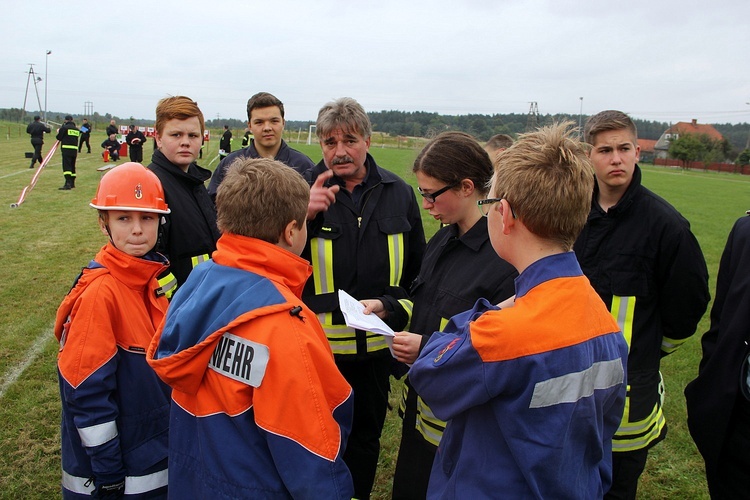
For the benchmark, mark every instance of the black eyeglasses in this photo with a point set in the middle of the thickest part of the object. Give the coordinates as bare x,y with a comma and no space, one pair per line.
430,197
484,206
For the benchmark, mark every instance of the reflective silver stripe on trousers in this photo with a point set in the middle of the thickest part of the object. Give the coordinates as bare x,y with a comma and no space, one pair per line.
134,485
574,386
96,435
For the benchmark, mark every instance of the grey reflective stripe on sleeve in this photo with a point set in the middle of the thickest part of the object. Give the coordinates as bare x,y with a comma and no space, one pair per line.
134,485
574,386
98,434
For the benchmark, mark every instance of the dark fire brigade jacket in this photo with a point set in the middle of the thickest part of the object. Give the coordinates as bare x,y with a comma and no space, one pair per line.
646,265
190,232
68,137
714,397
370,250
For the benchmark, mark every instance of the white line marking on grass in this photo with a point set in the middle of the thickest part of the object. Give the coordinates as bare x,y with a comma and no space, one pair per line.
15,173
15,372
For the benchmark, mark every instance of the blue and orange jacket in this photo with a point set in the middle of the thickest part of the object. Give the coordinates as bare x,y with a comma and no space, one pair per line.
533,393
259,408
115,410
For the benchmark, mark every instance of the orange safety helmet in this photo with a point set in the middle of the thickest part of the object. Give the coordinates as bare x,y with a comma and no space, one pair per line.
130,186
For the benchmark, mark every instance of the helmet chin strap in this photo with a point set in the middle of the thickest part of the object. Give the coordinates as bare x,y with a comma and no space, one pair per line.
109,233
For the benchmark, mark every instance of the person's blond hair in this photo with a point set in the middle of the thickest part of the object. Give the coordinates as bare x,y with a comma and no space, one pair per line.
548,181
259,197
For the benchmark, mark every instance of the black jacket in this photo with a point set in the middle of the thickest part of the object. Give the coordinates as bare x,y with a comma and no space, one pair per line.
286,155
37,130
712,396
87,132
135,134
68,136
366,257
190,233
644,262
112,145
225,142
111,129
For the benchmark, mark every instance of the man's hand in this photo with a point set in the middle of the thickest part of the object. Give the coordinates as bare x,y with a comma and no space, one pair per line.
406,346
321,197
374,306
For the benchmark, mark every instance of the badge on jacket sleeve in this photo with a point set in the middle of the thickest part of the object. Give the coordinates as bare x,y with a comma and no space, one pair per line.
240,359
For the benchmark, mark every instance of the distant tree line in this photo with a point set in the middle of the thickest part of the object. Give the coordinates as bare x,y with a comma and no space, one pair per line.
423,124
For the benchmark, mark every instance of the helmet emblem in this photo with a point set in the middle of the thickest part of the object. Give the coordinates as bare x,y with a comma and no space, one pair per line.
138,192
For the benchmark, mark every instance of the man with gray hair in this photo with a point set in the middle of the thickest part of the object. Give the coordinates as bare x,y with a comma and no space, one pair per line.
365,237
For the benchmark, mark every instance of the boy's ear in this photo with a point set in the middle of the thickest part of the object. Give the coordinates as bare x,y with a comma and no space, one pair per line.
103,226
507,216
287,236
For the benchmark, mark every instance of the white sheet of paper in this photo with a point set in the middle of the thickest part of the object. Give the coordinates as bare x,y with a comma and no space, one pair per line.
355,318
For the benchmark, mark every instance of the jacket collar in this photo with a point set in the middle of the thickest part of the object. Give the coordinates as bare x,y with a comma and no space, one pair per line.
195,174
263,258
134,272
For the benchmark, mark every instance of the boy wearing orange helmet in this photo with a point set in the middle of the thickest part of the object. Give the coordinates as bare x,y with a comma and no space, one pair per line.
115,410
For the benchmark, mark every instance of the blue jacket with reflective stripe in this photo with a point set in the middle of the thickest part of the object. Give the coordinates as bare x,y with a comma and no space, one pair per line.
533,393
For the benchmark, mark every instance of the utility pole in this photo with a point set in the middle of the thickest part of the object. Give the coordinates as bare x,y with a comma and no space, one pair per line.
45,85
580,121
532,121
88,109
32,77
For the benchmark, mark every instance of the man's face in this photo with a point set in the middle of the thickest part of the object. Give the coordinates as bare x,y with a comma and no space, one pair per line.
614,155
267,126
111,122
180,141
345,153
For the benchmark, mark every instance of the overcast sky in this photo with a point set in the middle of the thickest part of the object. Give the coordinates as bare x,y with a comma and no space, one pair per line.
664,60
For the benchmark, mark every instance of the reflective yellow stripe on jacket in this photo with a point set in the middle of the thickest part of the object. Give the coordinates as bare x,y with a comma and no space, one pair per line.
634,435
429,426
199,258
343,339
622,310
321,251
168,285
396,257
637,435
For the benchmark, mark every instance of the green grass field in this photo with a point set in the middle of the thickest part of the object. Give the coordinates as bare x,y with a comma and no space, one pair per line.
48,239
